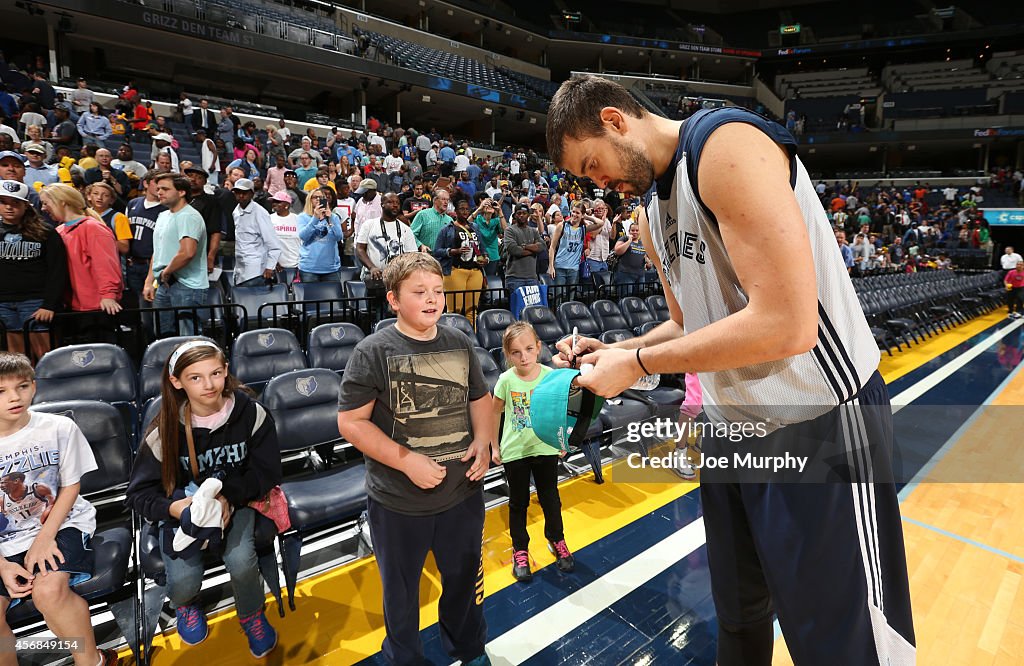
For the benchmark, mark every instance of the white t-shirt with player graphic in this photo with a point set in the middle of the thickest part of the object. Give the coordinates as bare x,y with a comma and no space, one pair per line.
46,455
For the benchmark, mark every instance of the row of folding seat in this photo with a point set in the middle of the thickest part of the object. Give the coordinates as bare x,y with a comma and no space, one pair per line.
899,312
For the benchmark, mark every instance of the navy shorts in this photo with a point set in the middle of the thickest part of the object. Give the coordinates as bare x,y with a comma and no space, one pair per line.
79,559
14,314
826,558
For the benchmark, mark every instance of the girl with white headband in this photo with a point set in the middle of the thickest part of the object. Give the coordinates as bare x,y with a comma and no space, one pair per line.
210,432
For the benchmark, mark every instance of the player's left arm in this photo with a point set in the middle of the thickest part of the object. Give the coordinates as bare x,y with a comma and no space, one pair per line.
44,552
44,493
767,242
740,169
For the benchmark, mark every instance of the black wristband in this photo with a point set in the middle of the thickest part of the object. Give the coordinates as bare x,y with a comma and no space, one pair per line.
639,362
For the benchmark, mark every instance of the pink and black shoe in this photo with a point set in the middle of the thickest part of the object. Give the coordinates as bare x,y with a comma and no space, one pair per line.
564,559
521,566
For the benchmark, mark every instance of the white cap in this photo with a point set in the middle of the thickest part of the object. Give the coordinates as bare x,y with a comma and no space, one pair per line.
14,189
243,184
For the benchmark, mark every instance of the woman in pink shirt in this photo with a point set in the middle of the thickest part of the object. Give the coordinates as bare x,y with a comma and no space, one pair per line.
93,263
1014,282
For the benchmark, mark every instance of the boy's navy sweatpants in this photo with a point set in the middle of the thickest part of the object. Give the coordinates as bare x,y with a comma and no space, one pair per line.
401,543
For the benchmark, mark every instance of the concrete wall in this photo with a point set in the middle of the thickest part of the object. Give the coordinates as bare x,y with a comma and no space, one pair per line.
763,94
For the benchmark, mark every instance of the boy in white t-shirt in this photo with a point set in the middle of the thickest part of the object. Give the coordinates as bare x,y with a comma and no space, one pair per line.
45,525
286,225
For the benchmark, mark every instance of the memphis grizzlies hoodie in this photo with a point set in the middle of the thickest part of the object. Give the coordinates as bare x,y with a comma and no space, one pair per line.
242,451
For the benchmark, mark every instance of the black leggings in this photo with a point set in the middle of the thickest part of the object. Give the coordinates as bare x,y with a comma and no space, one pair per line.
1015,299
545,476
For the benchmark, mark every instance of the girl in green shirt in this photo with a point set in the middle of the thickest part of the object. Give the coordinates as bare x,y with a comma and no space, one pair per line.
524,454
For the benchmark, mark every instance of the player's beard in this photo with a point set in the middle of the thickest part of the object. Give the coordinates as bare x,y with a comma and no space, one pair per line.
638,172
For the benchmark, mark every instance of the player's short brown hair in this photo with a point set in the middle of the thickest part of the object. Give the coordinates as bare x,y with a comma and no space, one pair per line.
575,111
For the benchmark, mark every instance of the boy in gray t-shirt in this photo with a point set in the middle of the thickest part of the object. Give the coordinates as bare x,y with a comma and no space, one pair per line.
414,401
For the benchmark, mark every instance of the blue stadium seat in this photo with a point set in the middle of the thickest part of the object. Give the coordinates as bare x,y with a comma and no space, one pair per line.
616,335
636,313
304,401
253,299
347,273
489,367
658,307
544,322
317,291
490,326
608,315
574,314
329,306
113,547
460,322
258,356
355,289
305,409
384,323
89,372
331,345
99,422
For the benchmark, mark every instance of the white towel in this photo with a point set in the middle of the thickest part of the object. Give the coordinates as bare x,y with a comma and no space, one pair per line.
202,519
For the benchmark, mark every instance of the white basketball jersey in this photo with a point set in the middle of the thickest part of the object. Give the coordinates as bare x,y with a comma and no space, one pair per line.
688,243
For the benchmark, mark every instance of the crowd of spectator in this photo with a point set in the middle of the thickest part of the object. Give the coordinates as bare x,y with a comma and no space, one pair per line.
283,205
279,205
905,229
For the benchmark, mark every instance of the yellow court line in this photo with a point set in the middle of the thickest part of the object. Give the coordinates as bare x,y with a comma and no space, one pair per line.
900,363
339,619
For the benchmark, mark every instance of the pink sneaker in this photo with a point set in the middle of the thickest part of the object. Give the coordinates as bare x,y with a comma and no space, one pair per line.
521,566
565,561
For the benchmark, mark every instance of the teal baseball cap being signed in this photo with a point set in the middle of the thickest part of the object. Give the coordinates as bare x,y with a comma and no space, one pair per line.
557,406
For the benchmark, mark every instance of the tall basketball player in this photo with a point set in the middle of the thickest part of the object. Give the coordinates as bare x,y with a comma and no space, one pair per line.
764,311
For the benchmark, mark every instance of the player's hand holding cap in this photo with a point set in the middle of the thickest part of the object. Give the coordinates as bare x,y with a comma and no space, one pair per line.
561,412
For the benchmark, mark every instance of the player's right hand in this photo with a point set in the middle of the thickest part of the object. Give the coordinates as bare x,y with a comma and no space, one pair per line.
566,353
424,472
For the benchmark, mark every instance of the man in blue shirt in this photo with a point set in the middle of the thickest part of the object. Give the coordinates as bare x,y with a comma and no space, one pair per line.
257,248
446,158
37,170
179,257
467,185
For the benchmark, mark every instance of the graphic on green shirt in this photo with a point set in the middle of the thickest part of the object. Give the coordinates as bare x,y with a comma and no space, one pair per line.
520,404
517,438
